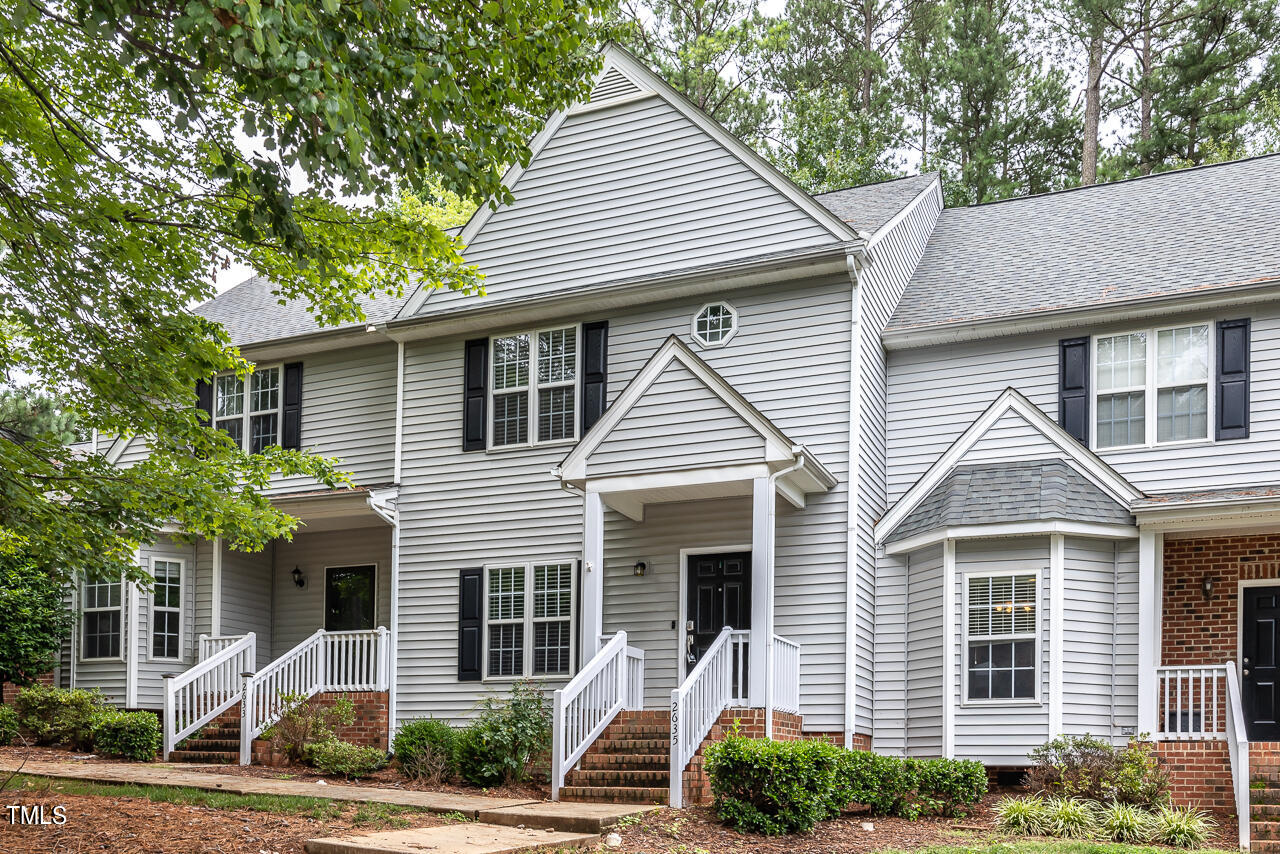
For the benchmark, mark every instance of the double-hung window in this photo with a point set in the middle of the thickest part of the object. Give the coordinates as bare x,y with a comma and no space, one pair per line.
529,619
249,412
1152,386
1001,623
534,395
101,620
166,609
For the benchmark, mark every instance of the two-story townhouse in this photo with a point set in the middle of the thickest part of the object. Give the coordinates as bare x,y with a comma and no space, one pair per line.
649,460
1082,410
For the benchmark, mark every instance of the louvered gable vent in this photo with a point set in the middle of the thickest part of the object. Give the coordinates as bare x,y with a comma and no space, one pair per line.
612,86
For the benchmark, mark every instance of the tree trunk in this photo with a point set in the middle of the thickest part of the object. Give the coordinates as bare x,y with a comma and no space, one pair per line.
1092,113
868,34
1144,109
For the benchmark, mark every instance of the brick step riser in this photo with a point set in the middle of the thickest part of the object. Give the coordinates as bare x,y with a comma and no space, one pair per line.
206,757
646,748
1267,831
205,745
614,795
624,762
618,779
1264,796
638,732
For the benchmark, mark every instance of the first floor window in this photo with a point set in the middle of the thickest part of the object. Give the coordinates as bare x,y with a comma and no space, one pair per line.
166,609
1000,646
101,620
529,619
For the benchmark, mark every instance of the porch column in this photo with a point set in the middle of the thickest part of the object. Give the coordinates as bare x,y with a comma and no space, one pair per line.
763,505
1150,581
592,575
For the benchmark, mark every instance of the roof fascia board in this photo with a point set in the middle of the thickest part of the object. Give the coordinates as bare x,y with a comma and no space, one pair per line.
1085,461
1118,311
933,190
1030,527
636,70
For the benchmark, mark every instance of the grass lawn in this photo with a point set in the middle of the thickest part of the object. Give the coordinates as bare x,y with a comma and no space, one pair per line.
1038,846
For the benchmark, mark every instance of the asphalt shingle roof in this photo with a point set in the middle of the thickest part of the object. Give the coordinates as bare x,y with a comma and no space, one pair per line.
251,313
870,206
1011,492
1187,231
1243,494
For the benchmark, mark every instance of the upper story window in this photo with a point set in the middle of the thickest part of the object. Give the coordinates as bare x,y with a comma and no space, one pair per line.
533,394
714,324
1153,386
101,620
529,619
1001,620
166,609
249,412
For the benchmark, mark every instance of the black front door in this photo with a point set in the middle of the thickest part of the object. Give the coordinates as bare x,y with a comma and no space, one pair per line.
719,595
348,598
1259,656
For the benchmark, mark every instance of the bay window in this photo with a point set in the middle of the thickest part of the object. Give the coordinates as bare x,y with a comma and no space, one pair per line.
1001,637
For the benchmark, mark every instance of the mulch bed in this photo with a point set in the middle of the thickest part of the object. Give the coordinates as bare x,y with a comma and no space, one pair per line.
97,823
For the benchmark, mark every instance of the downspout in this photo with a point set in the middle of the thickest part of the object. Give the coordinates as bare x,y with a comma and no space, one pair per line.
798,454
853,262
1115,638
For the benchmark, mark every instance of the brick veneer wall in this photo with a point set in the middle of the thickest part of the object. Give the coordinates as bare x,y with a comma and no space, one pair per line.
1199,774
370,726
1200,631
9,691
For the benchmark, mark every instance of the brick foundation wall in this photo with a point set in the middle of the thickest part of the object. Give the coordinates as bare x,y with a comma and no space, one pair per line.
9,691
1199,774
370,726
1203,631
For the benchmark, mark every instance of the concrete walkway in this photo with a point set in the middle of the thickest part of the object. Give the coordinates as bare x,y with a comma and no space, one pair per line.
508,825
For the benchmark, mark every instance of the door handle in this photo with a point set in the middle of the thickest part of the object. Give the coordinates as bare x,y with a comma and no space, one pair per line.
1245,672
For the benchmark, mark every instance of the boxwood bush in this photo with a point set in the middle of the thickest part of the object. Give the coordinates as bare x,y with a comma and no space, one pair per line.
130,735
8,725
352,761
427,750
56,716
789,786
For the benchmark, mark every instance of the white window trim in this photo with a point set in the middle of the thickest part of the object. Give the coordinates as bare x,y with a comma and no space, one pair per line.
154,609
1151,390
245,413
531,390
529,621
84,609
733,330
1038,699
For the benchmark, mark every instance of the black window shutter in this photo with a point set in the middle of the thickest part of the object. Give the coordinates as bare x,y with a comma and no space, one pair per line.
1073,387
291,425
475,374
1233,379
595,371
204,398
470,619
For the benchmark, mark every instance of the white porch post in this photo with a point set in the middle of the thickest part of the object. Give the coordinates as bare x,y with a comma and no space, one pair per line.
592,574
763,504
1150,580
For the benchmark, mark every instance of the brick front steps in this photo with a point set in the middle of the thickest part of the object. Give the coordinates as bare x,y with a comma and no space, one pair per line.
217,742
1264,797
628,764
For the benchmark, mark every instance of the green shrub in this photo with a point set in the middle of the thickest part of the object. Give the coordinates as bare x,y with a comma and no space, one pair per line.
427,749
1027,816
1071,818
8,725
352,761
909,788
1121,822
1180,827
775,787
130,735
1081,766
949,786
55,716
510,734
307,721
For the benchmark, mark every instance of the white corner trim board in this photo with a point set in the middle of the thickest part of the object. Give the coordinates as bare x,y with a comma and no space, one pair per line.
949,648
1057,629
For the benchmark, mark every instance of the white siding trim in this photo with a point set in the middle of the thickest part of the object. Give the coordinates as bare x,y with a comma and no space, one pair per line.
1010,400
1150,561
1057,630
949,648
855,495
882,231
1031,527
129,643
592,574
399,452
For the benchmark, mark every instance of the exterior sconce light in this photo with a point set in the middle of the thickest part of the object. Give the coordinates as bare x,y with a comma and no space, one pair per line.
298,578
639,568
1206,587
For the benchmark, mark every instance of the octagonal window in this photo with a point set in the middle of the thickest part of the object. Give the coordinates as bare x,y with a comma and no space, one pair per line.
714,324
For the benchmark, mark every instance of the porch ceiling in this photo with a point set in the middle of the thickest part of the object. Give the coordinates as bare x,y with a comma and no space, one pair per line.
332,510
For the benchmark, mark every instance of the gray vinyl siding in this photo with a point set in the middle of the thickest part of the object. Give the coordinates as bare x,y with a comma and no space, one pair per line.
299,612
924,653
996,733
204,587
646,607
678,424
888,734
151,670
246,598
936,392
881,285
625,191
1100,644
461,510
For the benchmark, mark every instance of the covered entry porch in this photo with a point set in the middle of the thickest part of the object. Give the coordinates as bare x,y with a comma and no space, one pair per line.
678,567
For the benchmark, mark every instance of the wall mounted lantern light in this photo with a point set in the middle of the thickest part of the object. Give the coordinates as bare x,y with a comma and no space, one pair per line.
298,577
639,568
1206,587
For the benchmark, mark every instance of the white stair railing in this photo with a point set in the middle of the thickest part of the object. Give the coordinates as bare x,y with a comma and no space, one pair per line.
197,696
696,705
1238,749
741,654
209,645
1191,702
786,675
325,661
611,681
